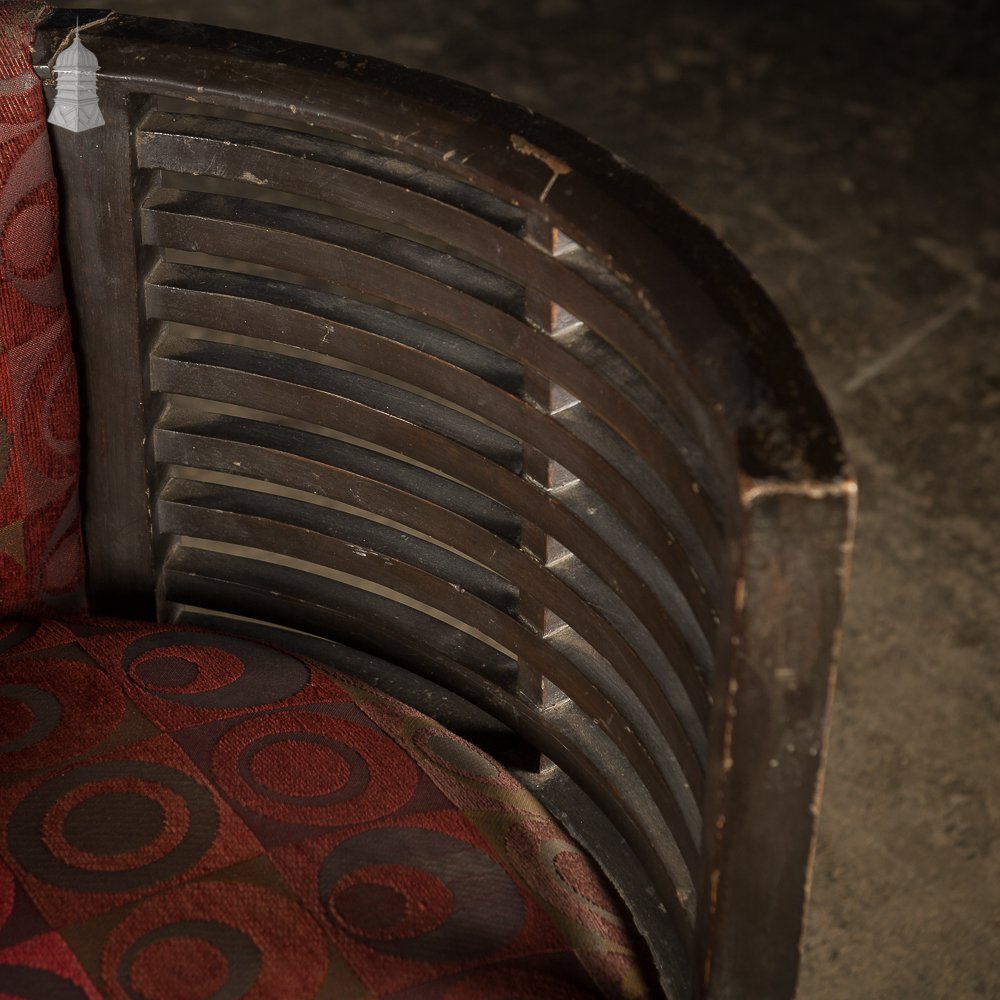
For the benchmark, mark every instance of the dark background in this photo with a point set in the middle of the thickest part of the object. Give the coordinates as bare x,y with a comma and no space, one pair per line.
850,154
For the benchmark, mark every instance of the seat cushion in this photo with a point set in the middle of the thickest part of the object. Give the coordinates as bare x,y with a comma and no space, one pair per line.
187,814
41,550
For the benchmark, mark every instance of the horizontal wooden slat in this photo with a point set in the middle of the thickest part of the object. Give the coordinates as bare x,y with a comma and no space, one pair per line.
376,620
532,503
276,313
313,165
591,608
309,461
316,381
361,534
248,583
220,230
169,215
272,525
309,318
394,191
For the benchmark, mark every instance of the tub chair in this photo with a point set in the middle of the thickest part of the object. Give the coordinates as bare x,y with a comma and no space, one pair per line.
449,605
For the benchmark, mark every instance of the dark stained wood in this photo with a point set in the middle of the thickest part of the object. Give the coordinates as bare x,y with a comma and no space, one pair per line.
302,165
300,243
772,709
428,204
573,596
234,376
96,177
252,520
384,368
307,461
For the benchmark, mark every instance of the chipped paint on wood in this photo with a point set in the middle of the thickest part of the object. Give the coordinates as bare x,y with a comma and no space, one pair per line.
558,167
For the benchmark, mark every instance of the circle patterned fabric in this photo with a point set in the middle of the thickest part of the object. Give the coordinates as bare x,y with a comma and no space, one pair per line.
188,815
41,548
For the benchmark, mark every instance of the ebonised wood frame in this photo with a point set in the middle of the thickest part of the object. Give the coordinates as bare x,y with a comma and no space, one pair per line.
390,371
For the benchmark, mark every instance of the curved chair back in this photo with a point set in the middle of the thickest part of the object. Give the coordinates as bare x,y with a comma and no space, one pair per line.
421,383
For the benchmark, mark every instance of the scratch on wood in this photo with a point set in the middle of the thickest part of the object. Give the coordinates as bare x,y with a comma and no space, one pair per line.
557,166
727,733
68,40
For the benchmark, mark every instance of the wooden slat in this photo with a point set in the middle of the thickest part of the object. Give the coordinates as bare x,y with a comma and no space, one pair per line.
311,462
392,626
321,168
309,318
361,534
169,217
220,230
316,381
221,515
595,612
248,583
227,385
277,314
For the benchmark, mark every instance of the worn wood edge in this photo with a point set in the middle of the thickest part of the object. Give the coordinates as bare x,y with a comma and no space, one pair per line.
777,982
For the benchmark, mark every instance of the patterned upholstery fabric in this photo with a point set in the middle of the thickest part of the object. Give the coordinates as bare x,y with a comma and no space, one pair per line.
41,550
191,815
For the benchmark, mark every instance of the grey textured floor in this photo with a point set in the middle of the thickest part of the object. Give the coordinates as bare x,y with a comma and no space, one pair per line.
850,153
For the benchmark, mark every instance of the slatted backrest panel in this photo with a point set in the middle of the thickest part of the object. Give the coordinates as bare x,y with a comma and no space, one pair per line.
307,323
377,370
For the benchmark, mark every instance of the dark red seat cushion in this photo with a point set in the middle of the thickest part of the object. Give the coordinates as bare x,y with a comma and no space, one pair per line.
192,815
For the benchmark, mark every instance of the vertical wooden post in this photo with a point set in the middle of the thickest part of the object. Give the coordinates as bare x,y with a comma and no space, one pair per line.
771,711
104,291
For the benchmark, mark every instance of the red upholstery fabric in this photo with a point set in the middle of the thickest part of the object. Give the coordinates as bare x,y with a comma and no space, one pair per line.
191,815
41,550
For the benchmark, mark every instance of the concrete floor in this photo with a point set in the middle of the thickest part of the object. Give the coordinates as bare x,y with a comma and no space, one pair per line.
850,153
